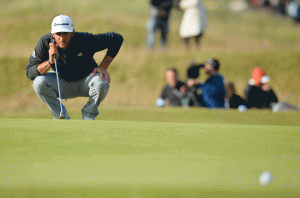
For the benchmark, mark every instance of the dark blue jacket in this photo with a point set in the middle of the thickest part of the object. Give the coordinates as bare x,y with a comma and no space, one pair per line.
213,92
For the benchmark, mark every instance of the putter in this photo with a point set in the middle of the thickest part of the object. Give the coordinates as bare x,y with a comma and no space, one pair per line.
59,95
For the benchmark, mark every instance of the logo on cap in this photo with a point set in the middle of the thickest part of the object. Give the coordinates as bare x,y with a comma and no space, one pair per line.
56,24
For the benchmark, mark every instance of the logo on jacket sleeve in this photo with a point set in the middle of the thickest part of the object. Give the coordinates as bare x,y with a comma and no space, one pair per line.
80,54
33,54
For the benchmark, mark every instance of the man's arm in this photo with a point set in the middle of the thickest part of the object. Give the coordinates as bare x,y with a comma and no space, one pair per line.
164,92
270,93
106,61
37,58
45,66
272,96
112,42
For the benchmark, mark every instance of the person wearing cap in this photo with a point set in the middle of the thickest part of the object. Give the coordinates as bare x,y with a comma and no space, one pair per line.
79,74
213,90
258,92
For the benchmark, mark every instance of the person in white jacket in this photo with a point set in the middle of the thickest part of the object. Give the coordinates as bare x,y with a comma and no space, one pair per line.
194,21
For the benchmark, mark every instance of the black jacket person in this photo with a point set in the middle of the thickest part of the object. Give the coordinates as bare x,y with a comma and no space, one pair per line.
79,74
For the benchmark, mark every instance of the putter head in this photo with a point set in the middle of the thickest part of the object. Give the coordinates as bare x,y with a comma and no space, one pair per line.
61,116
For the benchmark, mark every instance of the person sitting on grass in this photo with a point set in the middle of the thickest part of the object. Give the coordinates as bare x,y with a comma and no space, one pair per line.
213,90
258,92
232,100
175,90
194,96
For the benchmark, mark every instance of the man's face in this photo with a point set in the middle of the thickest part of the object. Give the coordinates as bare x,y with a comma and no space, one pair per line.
209,69
63,39
171,78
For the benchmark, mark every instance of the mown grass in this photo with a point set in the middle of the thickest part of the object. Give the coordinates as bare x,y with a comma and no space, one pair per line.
121,158
175,115
240,41
146,151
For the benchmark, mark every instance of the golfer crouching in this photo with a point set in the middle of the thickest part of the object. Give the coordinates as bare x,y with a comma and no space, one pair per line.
70,54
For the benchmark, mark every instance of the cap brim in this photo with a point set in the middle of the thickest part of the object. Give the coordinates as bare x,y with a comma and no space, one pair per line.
61,30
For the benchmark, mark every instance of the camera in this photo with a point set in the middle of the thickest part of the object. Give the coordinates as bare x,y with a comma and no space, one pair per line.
193,69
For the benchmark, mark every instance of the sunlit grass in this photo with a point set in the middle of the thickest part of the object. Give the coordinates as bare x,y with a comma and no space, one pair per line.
240,41
135,157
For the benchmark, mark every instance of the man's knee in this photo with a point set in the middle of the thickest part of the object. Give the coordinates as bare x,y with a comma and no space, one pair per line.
101,86
39,84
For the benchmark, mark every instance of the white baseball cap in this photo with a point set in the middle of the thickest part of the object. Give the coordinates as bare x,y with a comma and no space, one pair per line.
62,23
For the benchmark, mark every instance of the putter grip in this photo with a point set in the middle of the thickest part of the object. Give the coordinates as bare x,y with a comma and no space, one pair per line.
54,42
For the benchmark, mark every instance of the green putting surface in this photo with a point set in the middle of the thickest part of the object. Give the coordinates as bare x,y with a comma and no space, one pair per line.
74,158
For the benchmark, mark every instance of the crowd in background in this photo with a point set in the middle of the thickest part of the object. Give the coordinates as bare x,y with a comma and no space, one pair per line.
217,92
194,21
290,8
193,24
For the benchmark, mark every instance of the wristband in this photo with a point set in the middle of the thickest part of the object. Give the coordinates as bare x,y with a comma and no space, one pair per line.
50,63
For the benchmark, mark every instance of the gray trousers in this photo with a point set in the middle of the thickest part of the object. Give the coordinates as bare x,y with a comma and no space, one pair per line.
91,86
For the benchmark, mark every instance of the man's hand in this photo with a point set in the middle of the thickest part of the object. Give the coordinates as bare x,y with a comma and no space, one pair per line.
102,68
266,87
103,72
160,13
183,89
53,50
191,82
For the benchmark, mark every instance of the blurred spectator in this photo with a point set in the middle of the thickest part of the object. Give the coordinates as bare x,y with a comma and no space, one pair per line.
289,8
213,90
175,90
257,3
232,100
283,106
194,21
194,96
297,17
293,10
281,7
258,92
158,20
